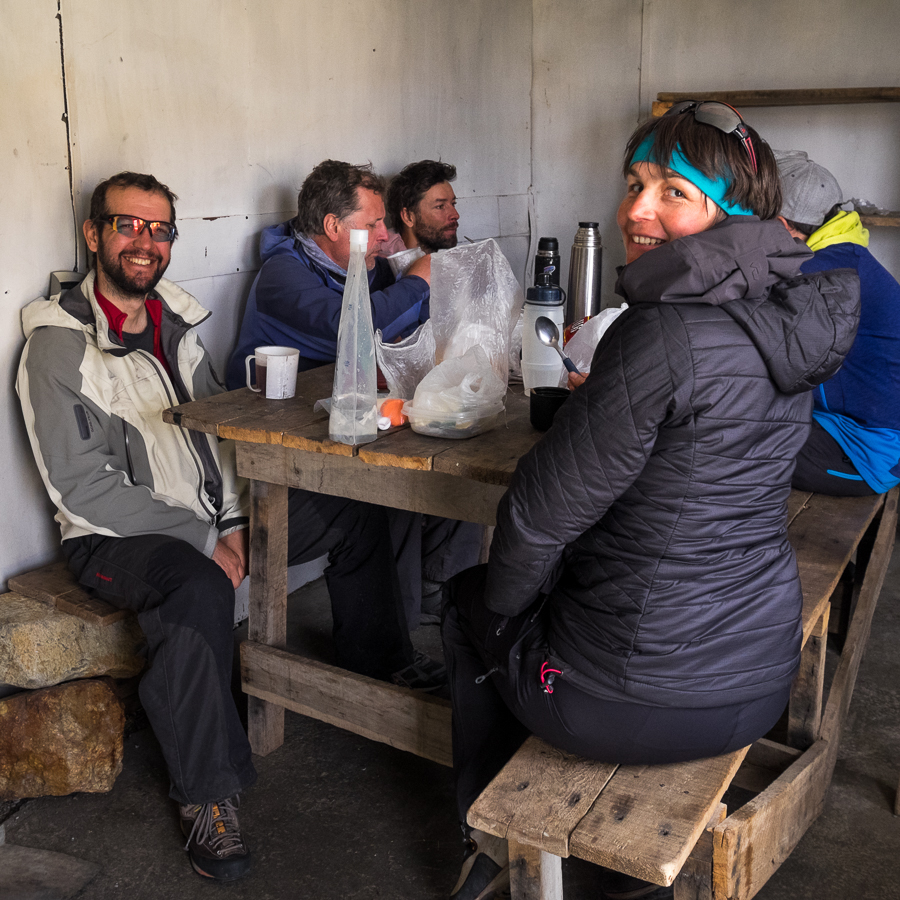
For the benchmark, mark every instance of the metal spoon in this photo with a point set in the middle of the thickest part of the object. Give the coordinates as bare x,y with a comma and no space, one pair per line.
548,334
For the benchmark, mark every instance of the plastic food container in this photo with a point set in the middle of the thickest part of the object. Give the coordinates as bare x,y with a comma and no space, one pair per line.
464,424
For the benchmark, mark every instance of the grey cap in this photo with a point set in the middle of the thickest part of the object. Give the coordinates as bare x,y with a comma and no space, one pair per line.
810,190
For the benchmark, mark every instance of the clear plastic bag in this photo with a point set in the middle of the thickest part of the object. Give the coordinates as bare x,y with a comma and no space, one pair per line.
458,398
405,363
581,346
475,302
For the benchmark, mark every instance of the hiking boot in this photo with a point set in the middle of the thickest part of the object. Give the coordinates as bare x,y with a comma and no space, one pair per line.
215,844
423,674
485,870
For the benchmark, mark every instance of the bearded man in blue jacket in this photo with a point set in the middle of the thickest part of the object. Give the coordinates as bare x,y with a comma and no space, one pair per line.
854,447
296,301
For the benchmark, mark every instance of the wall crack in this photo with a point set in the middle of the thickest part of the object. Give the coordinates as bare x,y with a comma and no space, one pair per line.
65,118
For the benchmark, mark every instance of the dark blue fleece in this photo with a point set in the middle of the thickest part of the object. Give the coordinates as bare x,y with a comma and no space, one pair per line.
294,302
860,405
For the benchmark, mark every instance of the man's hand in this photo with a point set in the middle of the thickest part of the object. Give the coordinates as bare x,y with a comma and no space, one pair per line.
231,555
575,379
422,268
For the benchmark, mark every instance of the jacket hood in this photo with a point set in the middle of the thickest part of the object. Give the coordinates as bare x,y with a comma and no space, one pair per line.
802,325
844,228
276,239
738,258
78,309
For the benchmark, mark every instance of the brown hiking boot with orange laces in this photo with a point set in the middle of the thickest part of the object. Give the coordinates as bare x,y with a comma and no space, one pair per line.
215,844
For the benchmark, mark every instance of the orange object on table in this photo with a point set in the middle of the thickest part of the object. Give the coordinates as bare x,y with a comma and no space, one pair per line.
392,408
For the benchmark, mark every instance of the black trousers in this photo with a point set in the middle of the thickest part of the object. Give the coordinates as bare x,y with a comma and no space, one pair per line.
185,606
823,467
492,716
429,547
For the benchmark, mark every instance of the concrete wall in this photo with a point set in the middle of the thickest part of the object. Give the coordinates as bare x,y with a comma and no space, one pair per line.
598,64
231,103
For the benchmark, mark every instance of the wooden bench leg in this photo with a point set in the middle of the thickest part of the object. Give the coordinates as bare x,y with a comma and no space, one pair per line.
805,708
268,600
695,880
534,874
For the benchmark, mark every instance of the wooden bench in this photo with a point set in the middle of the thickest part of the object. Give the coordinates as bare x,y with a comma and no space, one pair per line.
665,824
56,586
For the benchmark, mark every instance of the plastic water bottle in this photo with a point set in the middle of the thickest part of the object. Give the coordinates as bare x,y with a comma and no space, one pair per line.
541,364
354,415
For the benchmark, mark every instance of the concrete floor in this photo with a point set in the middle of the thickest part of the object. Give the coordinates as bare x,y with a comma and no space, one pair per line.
335,816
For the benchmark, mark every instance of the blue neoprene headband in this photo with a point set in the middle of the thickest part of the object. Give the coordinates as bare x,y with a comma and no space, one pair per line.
715,190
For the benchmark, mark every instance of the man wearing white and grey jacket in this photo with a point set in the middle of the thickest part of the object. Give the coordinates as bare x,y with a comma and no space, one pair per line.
153,517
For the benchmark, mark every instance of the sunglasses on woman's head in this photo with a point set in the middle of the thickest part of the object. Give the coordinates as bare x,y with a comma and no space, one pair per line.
720,115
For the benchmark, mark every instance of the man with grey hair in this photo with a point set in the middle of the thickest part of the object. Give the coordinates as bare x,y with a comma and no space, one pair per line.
854,446
296,301
296,298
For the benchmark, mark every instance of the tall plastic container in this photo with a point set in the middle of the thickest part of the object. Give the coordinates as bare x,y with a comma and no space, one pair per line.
541,364
585,264
354,415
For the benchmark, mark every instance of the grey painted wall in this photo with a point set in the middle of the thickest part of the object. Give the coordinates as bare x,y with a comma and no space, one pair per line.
231,103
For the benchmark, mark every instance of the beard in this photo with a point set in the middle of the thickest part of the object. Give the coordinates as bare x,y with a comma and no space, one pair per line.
432,239
137,285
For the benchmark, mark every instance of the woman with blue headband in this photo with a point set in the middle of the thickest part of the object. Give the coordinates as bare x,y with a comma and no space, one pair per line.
642,604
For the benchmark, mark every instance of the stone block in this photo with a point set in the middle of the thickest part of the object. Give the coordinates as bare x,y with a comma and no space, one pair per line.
41,646
59,740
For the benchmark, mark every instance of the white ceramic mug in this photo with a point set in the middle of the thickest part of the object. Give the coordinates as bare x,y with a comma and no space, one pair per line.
276,371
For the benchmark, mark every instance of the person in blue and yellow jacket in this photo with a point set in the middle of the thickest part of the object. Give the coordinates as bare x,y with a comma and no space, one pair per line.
854,447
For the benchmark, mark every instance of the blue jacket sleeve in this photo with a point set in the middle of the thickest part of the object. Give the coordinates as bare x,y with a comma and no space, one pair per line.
310,304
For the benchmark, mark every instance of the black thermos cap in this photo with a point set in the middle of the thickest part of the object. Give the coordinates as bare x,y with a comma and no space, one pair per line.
548,243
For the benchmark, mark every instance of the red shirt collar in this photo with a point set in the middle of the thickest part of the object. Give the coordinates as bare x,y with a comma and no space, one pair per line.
116,317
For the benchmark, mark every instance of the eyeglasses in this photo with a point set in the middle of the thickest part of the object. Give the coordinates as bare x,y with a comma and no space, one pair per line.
132,226
720,115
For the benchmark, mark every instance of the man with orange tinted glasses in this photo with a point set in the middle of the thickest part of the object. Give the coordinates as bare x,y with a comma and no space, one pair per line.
154,519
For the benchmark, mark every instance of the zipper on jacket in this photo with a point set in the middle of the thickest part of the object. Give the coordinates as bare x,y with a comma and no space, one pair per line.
128,452
201,490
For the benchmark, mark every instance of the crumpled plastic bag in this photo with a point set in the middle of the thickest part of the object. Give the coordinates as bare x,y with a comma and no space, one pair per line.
405,363
475,302
459,397
581,346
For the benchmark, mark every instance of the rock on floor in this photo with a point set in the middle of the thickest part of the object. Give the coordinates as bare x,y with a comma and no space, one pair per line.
61,739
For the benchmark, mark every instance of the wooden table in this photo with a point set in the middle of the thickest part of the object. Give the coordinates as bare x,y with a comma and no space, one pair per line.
284,443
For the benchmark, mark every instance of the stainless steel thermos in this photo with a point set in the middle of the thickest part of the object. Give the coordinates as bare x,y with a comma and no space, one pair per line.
583,299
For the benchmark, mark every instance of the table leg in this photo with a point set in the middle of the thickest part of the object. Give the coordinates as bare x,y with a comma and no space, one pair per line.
487,535
534,874
267,622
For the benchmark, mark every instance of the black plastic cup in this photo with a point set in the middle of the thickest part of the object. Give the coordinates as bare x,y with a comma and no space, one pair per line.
545,401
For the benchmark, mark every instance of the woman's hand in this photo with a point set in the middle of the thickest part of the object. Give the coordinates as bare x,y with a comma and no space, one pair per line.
575,379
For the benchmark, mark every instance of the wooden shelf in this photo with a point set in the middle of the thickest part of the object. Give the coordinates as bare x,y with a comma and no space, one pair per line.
880,221
802,97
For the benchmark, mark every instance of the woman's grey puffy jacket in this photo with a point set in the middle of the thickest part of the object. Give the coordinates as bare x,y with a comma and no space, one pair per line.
654,510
